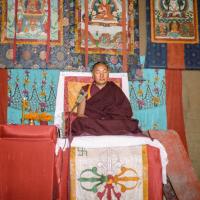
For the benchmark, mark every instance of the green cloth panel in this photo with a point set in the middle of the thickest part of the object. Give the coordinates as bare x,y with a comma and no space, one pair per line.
191,99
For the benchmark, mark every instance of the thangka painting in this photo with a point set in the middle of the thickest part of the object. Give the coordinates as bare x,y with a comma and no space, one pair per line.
174,21
105,26
30,19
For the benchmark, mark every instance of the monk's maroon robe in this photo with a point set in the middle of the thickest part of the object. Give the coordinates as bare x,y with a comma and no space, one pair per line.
108,112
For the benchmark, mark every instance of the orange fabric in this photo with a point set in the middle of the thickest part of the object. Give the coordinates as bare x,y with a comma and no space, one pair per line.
88,91
3,96
154,173
26,131
174,104
62,170
124,38
86,33
175,56
179,169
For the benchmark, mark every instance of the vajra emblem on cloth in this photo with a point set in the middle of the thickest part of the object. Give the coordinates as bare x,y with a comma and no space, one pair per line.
91,180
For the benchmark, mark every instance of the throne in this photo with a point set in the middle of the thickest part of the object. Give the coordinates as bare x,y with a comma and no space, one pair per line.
122,166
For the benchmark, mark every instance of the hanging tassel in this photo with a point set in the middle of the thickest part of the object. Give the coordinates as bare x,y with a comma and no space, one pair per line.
15,34
124,37
86,33
48,49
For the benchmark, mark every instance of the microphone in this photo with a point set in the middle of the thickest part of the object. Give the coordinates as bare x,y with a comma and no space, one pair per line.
80,98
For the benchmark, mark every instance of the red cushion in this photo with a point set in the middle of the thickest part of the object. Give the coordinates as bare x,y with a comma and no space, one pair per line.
27,131
27,155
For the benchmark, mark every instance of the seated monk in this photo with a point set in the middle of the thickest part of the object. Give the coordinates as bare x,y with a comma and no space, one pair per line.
104,109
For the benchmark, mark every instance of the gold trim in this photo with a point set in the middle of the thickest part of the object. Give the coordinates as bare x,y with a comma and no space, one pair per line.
145,172
89,91
77,26
3,26
72,173
196,21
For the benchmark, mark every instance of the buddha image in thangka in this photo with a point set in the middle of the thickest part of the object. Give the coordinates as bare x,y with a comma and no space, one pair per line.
32,19
105,11
105,25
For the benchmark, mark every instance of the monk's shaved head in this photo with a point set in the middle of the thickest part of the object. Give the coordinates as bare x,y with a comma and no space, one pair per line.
98,64
100,74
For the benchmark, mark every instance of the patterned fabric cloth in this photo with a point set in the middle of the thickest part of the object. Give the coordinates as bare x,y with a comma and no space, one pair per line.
113,173
122,141
147,95
148,99
38,87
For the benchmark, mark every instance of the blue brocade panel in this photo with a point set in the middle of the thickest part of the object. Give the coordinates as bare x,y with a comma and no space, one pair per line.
156,56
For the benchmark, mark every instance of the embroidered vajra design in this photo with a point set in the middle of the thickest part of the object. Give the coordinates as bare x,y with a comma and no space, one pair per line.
126,179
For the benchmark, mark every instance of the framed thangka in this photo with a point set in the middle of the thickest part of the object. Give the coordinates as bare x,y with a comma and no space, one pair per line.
105,26
174,21
30,21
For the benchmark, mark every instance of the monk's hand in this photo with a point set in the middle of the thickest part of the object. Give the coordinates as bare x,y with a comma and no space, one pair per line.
82,115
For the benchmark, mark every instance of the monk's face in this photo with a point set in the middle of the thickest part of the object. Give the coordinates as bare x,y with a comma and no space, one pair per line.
100,75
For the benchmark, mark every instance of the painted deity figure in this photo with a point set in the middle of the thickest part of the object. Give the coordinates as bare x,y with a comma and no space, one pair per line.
31,16
174,29
32,6
174,7
104,11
